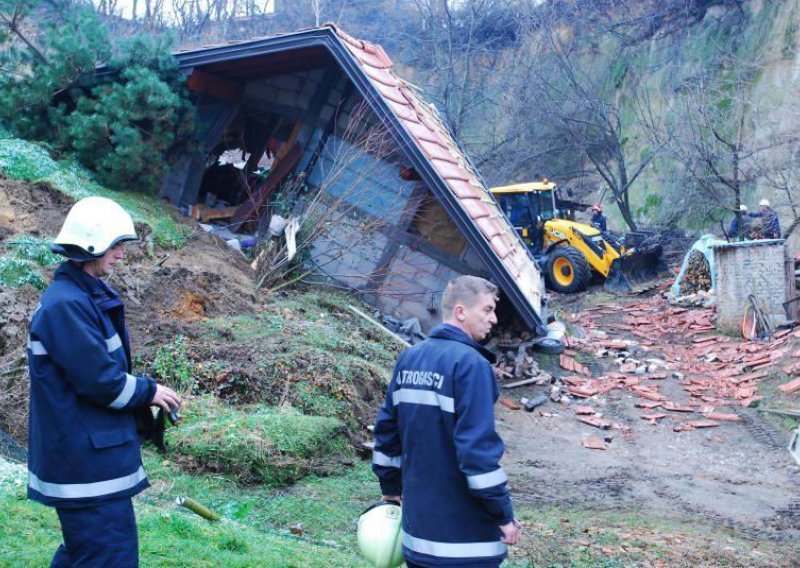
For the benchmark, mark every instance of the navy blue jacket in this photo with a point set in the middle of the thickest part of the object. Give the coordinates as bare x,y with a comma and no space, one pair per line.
770,225
83,448
436,444
599,222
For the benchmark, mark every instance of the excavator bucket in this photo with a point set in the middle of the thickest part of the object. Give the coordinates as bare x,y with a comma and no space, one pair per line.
630,271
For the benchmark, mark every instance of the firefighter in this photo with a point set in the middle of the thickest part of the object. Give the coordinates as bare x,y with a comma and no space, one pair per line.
436,447
84,454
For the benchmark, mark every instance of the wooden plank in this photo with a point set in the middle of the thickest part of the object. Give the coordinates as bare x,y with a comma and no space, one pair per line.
208,84
378,325
520,383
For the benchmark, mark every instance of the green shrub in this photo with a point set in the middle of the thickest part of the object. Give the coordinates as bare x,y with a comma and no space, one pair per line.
15,273
23,260
127,127
34,249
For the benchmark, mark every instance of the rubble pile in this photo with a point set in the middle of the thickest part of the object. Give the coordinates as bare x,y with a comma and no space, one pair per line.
668,357
515,361
714,371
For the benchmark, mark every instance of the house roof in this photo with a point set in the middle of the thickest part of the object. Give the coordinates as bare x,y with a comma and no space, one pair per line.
416,125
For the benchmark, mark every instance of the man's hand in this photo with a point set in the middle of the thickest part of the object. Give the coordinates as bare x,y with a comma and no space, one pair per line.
166,398
396,498
512,532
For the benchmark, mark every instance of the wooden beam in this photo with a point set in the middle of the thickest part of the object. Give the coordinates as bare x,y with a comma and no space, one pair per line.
208,84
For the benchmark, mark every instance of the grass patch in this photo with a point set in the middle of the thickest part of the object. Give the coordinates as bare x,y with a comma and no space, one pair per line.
305,349
570,537
28,161
168,536
325,508
23,261
258,443
322,511
173,367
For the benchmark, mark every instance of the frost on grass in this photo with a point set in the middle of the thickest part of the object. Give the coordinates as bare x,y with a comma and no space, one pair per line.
27,161
23,260
12,476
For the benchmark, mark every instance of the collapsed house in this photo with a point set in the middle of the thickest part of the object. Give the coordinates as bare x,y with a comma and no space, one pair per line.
317,124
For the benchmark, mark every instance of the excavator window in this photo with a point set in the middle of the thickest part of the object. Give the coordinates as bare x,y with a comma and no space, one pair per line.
516,208
542,203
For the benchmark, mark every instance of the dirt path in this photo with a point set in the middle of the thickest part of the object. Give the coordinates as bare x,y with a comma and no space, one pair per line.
736,475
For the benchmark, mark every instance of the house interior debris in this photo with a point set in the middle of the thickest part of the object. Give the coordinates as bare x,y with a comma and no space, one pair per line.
315,126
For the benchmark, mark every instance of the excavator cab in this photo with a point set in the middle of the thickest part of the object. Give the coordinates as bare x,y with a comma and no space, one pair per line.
528,206
569,251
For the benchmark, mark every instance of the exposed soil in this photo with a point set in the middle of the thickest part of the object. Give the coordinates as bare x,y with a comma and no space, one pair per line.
201,280
167,293
738,475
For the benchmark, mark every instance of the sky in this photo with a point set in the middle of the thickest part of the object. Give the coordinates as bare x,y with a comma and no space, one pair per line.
126,6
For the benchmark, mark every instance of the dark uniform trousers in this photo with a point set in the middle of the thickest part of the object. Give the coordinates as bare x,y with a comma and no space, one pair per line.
102,535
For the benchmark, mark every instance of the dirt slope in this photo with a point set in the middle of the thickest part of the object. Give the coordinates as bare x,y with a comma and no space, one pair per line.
201,280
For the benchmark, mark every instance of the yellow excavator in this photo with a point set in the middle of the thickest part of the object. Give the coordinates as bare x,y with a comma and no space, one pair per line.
570,252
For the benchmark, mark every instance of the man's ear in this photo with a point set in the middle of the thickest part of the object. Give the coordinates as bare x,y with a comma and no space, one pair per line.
459,311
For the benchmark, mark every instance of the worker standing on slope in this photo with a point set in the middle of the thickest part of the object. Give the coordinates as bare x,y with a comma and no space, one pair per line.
84,457
435,441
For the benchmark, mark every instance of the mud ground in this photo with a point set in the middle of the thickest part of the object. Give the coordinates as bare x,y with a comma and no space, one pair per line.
738,475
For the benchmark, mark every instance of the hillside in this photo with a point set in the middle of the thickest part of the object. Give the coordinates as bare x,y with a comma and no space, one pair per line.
280,387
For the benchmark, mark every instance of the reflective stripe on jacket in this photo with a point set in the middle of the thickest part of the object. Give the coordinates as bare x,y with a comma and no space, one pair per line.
436,444
83,447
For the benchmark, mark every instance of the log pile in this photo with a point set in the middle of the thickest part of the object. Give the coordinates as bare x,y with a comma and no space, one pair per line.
697,276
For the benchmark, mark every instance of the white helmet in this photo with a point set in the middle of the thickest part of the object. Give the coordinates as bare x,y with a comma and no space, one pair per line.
763,203
92,226
379,535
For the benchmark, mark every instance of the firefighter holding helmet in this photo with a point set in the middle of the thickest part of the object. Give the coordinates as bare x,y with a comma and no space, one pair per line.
84,452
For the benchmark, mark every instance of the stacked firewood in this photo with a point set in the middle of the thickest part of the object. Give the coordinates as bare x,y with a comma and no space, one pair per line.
697,276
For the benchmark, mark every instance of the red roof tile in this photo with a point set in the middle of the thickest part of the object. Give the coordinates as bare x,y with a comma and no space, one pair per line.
425,126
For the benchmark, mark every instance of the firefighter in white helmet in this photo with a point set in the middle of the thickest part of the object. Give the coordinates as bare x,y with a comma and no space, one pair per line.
83,453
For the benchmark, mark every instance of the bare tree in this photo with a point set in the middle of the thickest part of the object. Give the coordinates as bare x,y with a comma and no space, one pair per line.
725,144
464,52
584,116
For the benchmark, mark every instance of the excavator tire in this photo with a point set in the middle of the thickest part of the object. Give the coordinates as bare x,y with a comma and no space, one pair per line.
567,270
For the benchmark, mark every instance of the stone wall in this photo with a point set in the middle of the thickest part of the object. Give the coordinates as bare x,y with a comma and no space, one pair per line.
750,267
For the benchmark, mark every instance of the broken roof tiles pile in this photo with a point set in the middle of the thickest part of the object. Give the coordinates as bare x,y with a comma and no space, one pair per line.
712,370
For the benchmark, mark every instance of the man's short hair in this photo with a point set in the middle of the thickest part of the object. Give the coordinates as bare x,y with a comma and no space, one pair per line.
465,290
